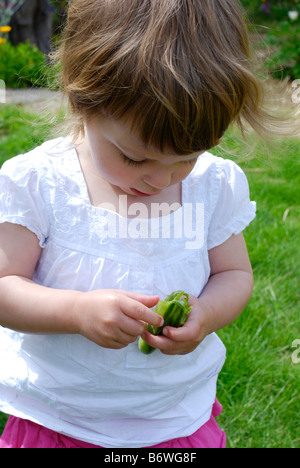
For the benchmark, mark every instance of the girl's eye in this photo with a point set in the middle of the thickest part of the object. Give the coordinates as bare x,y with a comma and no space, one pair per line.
131,162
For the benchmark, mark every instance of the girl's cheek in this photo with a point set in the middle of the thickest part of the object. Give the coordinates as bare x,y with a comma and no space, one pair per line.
183,172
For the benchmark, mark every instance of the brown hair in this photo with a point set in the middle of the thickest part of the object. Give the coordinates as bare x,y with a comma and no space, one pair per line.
180,69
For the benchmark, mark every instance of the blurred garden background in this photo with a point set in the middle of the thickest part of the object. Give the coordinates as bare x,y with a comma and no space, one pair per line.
259,386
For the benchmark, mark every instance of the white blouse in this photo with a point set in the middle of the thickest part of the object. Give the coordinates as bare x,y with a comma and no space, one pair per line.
115,398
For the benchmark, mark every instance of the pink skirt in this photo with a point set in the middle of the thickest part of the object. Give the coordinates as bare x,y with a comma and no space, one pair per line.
20,433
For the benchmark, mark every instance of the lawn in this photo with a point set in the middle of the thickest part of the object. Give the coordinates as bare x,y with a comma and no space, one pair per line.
259,385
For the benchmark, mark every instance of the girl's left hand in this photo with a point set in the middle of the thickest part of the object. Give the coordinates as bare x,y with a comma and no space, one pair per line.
181,340
222,300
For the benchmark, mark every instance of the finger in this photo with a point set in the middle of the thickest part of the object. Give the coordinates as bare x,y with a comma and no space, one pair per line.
187,332
132,327
117,344
139,311
119,340
148,301
165,345
181,334
157,341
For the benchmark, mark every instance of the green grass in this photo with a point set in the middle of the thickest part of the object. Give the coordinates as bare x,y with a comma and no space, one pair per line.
20,131
259,385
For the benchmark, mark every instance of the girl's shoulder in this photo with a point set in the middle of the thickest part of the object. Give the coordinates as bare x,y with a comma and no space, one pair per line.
32,182
43,165
215,167
222,187
42,155
214,175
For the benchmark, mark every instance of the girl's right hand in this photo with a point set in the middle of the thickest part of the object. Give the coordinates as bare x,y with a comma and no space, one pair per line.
114,318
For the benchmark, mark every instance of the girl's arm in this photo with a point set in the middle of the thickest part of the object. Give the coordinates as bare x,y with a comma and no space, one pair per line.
110,318
24,305
222,300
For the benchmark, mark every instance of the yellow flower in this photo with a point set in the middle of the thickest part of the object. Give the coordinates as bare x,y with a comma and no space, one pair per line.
5,29
2,40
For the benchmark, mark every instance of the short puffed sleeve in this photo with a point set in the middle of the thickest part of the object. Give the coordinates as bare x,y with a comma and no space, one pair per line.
233,209
22,196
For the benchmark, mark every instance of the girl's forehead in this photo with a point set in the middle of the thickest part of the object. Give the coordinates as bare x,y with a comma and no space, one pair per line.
127,138
129,141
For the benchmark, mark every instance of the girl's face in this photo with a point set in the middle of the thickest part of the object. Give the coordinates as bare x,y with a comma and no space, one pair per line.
123,161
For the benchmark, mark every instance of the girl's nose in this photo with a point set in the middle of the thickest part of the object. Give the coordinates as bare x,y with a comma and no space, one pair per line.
158,178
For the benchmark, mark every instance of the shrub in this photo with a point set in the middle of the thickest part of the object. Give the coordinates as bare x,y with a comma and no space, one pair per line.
278,21
23,66
269,10
285,60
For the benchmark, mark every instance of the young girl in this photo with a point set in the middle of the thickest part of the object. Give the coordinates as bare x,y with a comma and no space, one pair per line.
98,226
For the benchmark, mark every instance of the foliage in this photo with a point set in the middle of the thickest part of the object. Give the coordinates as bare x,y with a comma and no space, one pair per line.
4,30
279,22
60,12
284,40
269,10
23,66
20,131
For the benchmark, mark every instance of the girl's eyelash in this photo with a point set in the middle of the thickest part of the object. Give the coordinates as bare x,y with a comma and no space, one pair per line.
131,162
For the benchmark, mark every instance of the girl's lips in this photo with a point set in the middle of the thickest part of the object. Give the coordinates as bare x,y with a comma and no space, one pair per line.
141,194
